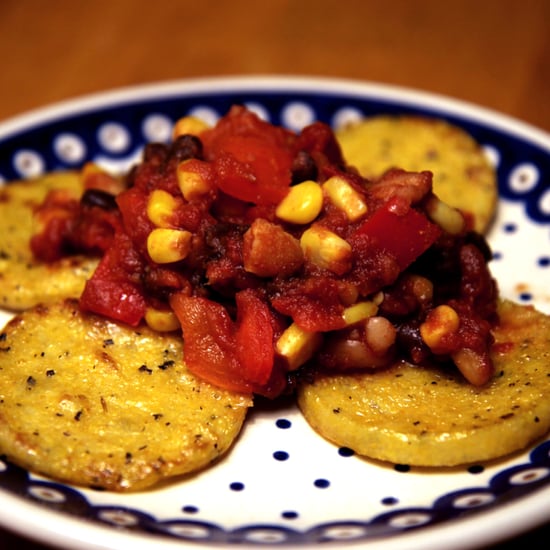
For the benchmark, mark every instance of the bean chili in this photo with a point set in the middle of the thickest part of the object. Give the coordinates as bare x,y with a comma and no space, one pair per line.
274,257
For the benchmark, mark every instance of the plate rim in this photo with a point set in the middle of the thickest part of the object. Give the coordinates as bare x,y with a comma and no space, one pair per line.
356,88
66,530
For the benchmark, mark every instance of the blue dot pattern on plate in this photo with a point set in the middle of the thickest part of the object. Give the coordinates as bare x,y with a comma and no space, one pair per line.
115,135
508,483
118,133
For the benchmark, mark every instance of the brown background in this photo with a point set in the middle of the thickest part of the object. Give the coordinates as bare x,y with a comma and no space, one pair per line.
492,52
495,53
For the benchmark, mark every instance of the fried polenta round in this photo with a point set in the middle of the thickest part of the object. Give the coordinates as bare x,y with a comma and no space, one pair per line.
95,403
24,281
429,417
462,174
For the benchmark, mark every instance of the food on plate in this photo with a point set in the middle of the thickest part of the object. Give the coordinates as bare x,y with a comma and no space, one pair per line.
279,264
97,403
250,236
24,279
428,416
463,177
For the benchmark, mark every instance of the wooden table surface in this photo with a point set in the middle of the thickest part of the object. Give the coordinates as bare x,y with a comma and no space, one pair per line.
495,53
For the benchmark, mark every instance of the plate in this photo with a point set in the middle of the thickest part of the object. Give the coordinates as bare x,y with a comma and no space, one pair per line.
282,484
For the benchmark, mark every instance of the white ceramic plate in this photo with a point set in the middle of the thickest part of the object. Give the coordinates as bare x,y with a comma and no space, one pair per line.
283,484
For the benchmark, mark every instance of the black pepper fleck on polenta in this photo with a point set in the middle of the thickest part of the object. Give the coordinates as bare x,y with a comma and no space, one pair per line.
503,417
86,399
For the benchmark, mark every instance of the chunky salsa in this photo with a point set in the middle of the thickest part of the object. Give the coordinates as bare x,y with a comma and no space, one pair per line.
274,257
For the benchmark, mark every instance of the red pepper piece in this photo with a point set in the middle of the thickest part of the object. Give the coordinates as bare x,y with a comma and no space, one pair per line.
234,355
252,159
110,291
401,231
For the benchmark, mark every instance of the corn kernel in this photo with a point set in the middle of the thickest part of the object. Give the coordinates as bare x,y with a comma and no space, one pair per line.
297,345
302,203
345,197
359,312
93,176
448,218
442,321
192,185
161,320
91,168
189,125
326,250
160,207
166,246
378,298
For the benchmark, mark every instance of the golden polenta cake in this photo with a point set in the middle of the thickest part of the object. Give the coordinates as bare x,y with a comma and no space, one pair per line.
427,416
462,174
95,403
25,281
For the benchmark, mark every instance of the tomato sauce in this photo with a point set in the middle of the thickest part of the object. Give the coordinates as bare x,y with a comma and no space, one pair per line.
205,229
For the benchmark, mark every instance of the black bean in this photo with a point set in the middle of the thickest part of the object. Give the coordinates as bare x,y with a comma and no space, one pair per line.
155,153
303,168
98,198
479,242
186,146
410,341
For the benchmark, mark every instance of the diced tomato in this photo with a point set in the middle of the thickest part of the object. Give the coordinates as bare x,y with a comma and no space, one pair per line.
401,231
235,355
314,304
252,159
133,208
319,141
57,215
95,230
71,228
111,291
254,332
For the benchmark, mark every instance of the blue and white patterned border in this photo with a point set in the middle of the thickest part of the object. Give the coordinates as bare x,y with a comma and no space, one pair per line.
112,129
